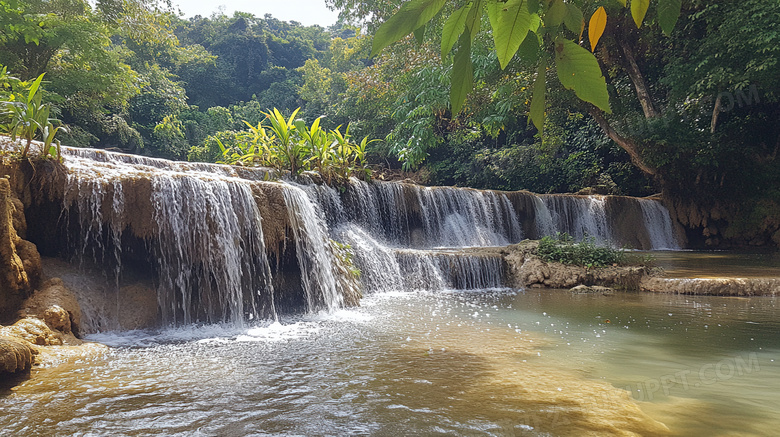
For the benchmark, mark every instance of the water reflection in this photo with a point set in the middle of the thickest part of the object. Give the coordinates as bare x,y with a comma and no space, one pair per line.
714,264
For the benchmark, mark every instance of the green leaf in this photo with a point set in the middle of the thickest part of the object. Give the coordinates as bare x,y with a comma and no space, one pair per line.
573,18
536,23
668,13
638,10
34,87
462,74
623,2
579,70
419,34
409,18
510,22
533,6
529,49
474,20
453,27
538,99
556,13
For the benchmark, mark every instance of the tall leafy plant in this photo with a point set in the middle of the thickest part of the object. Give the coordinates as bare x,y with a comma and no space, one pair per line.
287,146
29,117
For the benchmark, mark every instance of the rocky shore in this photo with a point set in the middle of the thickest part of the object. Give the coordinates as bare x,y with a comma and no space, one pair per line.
42,319
524,269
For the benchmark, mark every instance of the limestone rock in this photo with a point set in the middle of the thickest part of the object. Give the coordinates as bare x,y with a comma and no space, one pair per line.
713,286
34,331
592,289
15,355
54,303
15,283
57,318
139,307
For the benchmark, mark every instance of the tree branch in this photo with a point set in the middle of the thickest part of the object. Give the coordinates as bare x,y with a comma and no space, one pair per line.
626,144
640,85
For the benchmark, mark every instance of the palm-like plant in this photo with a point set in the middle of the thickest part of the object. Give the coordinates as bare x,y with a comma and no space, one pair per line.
29,117
291,149
319,146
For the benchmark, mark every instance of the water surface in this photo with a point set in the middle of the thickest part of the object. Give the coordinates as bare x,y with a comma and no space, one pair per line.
500,362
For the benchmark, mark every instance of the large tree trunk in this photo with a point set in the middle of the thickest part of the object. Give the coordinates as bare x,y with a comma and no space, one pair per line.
640,85
626,144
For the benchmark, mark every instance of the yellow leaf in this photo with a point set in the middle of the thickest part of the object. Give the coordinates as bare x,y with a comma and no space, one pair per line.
598,22
638,10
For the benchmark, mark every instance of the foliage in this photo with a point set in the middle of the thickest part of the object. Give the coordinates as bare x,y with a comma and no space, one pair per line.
345,255
287,143
29,119
563,249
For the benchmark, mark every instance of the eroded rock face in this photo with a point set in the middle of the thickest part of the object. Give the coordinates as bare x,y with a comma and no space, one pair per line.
525,269
15,355
139,307
56,305
20,263
713,286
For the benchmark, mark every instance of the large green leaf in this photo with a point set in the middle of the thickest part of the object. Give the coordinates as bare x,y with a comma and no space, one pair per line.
510,22
538,99
419,34
453,28
462,74
668,12
410,17
529,49
556,13
474,20
579,70
573,19
638,10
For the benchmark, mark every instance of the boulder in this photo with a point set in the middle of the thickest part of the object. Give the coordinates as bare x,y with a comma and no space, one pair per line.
34,331
15,355
592,289
56,305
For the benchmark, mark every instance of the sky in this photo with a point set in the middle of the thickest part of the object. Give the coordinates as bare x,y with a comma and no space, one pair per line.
306,12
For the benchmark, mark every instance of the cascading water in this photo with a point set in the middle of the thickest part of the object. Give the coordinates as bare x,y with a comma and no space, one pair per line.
425,217
315,256
201,227
204,230
579,216
659,225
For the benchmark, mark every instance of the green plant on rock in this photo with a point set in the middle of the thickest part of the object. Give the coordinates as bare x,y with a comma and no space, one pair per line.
287,146
321,154
29,117
345,255
563,249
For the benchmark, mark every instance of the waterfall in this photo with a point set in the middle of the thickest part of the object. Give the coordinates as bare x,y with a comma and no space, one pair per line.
313,251
226,244
204,232
659,225
579,216
388,269
428,217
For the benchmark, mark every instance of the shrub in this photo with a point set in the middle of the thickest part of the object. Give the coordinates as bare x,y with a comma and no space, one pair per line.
563,249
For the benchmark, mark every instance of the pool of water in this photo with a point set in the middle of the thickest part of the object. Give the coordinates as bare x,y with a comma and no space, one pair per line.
491,362
717,264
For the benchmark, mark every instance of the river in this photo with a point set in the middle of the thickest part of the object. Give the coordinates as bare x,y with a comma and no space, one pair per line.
488,362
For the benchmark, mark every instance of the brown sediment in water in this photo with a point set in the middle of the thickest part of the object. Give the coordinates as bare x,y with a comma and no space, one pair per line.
501,377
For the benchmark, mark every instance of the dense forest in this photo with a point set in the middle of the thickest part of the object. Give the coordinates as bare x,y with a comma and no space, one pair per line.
694,101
